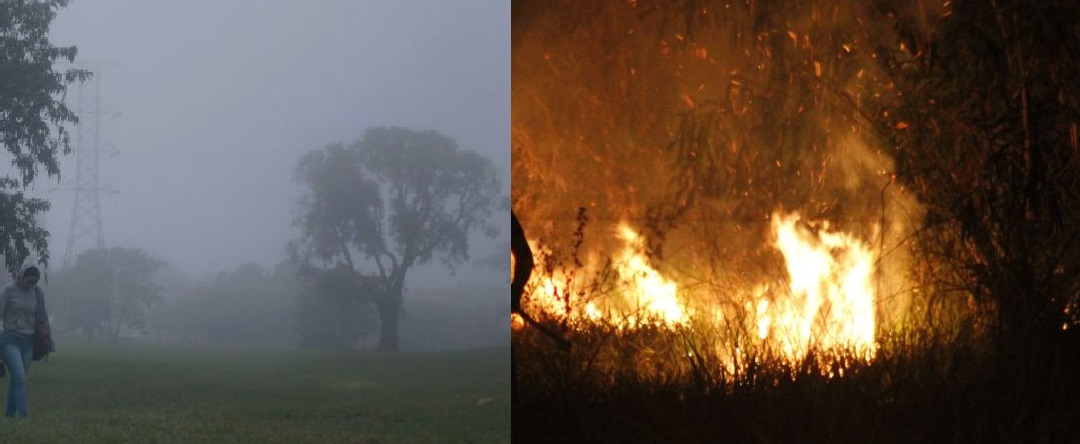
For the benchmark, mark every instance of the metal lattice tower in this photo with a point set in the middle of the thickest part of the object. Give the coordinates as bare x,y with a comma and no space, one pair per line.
86,232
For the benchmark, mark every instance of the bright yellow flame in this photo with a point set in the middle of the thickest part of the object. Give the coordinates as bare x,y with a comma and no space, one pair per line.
826,304
641,294
648,294
830,302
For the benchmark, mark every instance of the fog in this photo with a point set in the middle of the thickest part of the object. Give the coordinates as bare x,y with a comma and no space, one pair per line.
212,103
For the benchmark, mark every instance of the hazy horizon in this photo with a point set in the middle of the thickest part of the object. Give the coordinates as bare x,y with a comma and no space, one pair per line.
216,101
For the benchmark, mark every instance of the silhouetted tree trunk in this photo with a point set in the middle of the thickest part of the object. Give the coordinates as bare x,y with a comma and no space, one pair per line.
388,295
389,308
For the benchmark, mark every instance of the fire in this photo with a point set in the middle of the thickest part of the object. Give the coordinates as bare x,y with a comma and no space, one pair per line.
829,303
648,293
640,293
826,303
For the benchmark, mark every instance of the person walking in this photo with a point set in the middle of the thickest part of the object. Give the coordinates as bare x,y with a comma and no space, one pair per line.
22,310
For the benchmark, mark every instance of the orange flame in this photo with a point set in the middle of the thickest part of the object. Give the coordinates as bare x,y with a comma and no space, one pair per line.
641,294
828,302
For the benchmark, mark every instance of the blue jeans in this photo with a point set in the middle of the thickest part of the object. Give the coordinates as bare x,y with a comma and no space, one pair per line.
17,351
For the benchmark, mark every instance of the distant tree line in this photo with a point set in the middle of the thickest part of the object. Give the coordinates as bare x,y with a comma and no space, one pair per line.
118,295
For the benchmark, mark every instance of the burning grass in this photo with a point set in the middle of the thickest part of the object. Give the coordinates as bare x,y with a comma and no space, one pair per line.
823,298
799,357
656,384
939,303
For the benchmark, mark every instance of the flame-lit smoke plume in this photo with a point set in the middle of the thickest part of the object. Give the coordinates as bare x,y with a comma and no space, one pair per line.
731,158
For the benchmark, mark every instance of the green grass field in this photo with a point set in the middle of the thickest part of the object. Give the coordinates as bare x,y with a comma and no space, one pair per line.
169,394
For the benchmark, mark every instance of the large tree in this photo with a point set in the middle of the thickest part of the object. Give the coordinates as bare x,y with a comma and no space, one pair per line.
106,290
394,199
32,119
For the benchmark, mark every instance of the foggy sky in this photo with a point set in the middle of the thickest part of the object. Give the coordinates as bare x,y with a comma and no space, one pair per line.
218,99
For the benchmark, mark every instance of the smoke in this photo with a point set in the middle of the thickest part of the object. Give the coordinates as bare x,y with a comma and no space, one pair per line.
695,126
893,215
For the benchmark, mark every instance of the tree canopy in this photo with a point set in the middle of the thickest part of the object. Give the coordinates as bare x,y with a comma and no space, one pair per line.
394,199
32,120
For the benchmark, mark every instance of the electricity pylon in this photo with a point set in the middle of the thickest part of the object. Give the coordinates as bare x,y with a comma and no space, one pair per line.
86,231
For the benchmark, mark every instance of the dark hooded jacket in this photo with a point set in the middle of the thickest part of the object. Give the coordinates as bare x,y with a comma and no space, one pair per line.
21,309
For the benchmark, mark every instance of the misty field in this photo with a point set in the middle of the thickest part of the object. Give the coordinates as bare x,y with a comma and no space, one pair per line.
144,393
